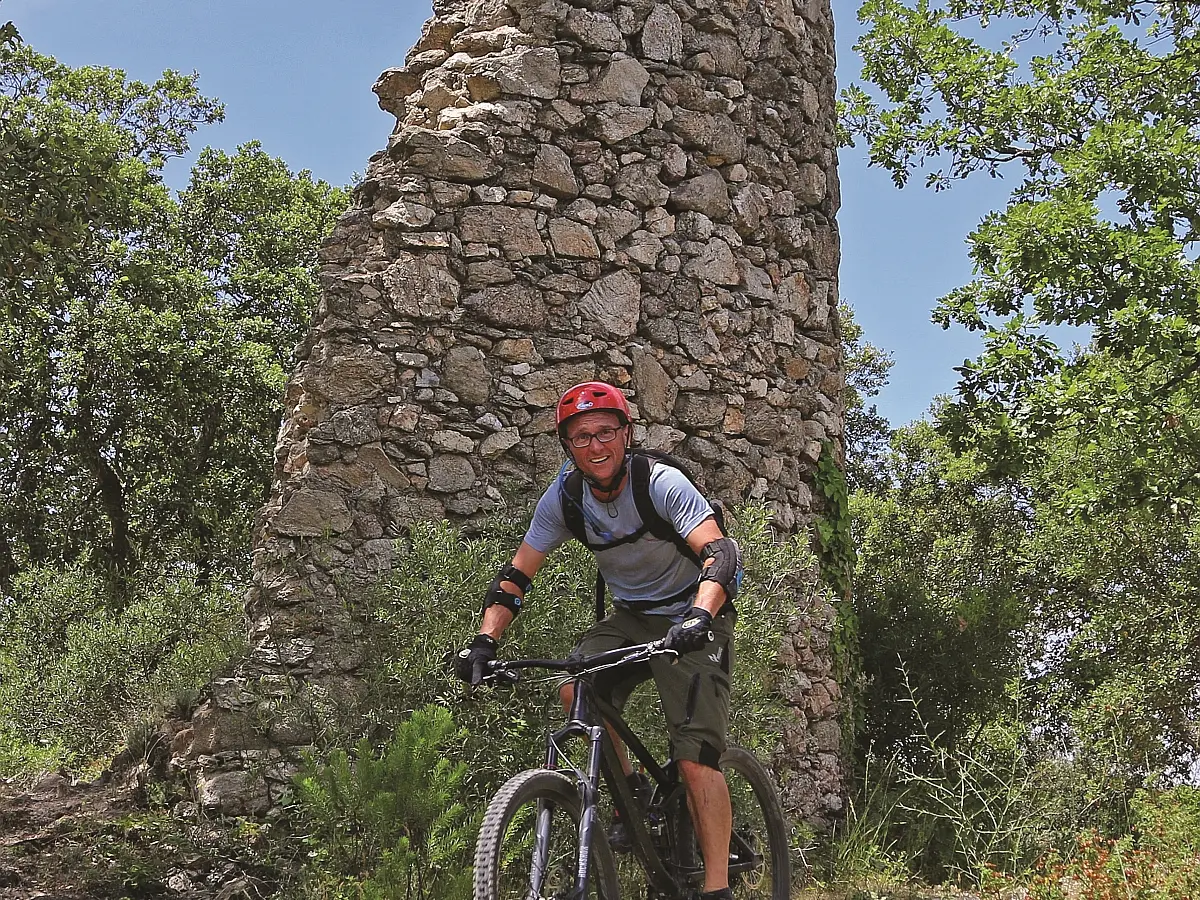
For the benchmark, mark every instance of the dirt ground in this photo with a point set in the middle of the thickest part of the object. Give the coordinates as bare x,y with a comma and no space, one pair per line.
104,840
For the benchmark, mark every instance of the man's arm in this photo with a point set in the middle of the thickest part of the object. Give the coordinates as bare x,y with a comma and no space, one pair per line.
710,596
496,618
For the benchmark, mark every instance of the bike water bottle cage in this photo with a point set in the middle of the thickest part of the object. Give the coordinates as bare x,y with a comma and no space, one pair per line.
496,595
724,562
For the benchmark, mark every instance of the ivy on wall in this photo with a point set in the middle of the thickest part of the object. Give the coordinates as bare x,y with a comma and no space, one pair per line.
837,557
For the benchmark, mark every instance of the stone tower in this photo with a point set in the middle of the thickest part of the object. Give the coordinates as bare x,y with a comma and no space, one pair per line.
641,191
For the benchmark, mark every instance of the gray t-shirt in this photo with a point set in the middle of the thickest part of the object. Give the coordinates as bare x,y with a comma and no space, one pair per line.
644,570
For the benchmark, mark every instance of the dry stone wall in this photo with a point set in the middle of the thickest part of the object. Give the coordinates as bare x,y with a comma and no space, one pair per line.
641,191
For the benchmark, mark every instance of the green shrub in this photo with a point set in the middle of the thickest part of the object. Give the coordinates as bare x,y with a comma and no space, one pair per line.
78,664
390,826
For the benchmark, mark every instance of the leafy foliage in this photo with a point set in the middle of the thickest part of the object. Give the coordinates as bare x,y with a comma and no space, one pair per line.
867,368
939,593
1095,109
75,672
390,825
1029,671
146,337
427,606
1155,861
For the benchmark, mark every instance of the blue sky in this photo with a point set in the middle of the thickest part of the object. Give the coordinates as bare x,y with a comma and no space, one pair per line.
297,75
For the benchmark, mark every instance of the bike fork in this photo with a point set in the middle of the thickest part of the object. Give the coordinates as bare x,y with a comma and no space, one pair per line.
587,820
588,783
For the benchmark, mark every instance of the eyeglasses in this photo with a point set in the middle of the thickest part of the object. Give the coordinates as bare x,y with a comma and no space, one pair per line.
604,436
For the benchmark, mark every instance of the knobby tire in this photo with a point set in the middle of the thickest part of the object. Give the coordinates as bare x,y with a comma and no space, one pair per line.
518,798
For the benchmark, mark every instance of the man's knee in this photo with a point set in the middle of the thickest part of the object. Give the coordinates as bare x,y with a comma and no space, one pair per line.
566,693
707,756
697,776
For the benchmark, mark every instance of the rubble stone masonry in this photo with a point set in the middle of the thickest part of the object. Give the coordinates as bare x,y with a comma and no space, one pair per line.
640,191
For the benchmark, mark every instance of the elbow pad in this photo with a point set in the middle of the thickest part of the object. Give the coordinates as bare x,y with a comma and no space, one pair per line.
725,564
498,595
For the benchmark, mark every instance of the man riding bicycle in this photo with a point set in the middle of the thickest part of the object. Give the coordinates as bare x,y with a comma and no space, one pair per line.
658,592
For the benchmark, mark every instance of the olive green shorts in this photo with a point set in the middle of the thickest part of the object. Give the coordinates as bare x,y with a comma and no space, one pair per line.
694,690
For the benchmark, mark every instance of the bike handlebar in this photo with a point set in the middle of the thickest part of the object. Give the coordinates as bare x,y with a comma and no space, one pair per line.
506,670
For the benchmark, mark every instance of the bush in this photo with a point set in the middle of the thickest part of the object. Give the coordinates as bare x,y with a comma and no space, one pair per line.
389,826
428,606
1159,860
78,665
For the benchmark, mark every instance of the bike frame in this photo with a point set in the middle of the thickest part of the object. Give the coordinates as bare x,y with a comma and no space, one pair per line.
587,719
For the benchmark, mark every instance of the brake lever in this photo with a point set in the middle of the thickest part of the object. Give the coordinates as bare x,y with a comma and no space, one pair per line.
498,675
711,637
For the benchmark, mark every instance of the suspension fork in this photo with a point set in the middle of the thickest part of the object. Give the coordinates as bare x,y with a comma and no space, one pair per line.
579,724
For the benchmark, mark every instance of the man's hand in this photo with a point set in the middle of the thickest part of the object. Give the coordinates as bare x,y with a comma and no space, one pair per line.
690,634
470,663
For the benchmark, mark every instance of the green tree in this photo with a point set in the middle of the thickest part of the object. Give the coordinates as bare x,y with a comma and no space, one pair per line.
941,598
1115,663
147,336
1093,108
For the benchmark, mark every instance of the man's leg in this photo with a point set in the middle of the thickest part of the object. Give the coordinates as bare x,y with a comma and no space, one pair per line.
611,632
712,817
694,690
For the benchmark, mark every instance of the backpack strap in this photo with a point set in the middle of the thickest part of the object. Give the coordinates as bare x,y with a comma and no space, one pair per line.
640,467
572,505
572,510
599,595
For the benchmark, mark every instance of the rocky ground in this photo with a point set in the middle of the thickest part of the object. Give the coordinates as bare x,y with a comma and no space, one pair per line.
114,839
127,838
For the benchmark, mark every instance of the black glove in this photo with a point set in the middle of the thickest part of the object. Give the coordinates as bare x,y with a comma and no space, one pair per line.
470,663
690,634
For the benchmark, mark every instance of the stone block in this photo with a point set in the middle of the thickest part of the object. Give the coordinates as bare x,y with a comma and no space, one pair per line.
516,305
594,30
706,193
442,155
554,173
656,392
513,229
622,81
449,474
570,238
464,371
308,513
614,304
662,35
615,123
696,410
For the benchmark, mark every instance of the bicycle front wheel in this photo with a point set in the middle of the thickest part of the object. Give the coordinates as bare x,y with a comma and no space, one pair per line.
759,856
528,847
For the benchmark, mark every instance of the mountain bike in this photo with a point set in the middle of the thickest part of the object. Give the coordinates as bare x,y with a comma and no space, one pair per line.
542,837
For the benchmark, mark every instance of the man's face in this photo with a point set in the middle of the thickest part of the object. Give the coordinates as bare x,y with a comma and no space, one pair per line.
599,460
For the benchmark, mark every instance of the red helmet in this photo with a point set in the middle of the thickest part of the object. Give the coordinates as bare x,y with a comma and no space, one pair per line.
590,397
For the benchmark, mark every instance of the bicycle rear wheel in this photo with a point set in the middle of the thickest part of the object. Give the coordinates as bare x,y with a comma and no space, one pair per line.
759,856
529,842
